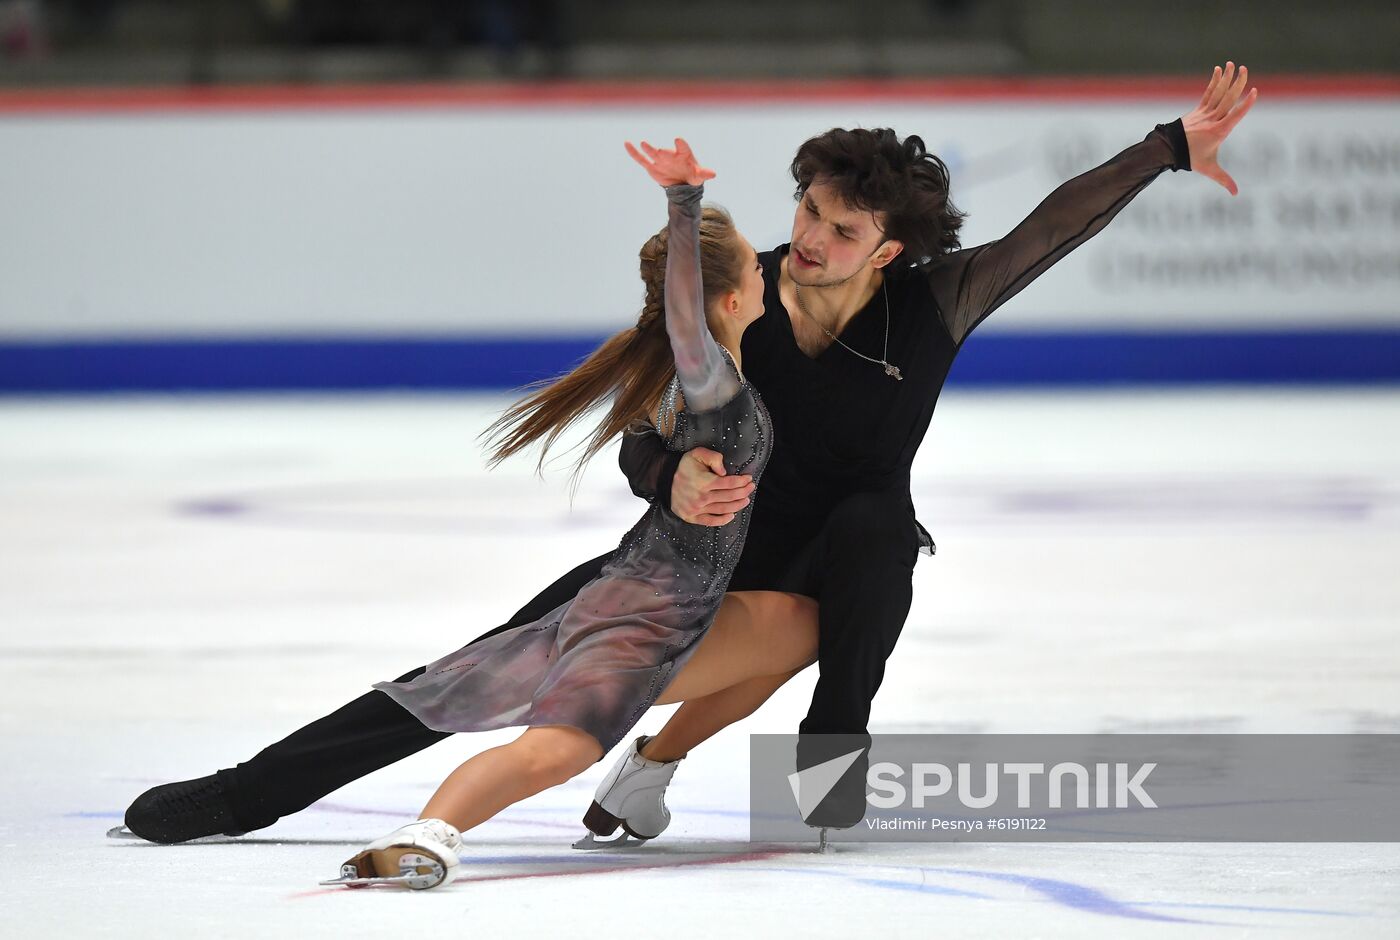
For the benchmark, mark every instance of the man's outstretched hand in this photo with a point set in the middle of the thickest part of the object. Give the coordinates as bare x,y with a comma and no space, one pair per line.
703,494
1222,107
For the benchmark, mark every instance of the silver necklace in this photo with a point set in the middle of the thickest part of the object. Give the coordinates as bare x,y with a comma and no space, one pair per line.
890,370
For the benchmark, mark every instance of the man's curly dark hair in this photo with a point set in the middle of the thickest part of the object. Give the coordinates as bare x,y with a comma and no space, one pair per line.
876,171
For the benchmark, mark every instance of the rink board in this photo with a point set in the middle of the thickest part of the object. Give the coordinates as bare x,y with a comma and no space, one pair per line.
427,237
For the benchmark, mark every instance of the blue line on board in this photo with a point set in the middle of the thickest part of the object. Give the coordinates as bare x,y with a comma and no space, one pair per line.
468,362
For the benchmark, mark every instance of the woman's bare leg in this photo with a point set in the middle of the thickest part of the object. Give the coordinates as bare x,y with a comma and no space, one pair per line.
698,720
758,640
542,757
755,633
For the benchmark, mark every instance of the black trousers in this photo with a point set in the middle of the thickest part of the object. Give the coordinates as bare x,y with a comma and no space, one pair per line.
858,567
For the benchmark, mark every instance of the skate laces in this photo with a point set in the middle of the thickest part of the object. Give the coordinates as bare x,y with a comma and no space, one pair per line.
439,830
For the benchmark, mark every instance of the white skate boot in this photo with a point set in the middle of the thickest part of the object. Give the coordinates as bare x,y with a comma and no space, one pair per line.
420,855
633,796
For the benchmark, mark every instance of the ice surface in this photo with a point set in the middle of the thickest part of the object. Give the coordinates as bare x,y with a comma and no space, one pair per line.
184,580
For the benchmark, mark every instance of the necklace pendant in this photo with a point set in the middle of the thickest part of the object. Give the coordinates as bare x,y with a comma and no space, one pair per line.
894,371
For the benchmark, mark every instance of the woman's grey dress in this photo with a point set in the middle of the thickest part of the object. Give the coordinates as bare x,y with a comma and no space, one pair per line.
600,660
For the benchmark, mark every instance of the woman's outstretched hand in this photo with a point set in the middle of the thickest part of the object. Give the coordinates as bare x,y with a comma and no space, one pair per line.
669,167
1221,108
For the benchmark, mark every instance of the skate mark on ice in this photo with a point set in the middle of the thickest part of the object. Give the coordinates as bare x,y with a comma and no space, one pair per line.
1102,502
853,874
595,869
1111,500
348,810
453,507
1065,893
1311,911
506,819
1069,894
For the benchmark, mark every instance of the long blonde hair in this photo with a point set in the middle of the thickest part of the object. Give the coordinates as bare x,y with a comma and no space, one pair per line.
632,367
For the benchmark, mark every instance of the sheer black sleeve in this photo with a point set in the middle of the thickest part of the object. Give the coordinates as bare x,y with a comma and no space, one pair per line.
649,465
969,284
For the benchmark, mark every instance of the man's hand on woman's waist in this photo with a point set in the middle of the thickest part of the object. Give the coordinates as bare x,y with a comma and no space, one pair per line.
703,494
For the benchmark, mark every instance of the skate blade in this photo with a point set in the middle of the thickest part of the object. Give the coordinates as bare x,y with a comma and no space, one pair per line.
362,882
353,875
591,842
121,832
600,822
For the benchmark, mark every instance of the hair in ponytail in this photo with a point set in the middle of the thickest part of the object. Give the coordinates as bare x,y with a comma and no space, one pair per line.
632,367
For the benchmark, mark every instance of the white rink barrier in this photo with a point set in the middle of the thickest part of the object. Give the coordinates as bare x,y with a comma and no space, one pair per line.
468,225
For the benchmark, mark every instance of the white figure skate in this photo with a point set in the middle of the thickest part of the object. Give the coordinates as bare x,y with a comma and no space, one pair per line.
633,796
420,855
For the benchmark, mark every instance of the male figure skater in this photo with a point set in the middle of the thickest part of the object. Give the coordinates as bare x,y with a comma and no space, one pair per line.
866,309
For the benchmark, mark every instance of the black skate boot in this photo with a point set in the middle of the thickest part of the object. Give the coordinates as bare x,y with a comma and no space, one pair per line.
189,809
844,805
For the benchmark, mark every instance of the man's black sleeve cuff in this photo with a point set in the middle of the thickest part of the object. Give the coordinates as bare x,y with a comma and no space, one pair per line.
666,475
1181,151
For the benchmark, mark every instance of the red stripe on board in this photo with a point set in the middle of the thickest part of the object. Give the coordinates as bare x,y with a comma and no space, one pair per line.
586,94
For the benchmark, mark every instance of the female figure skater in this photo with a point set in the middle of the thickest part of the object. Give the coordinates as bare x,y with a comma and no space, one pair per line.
838,522
581,676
